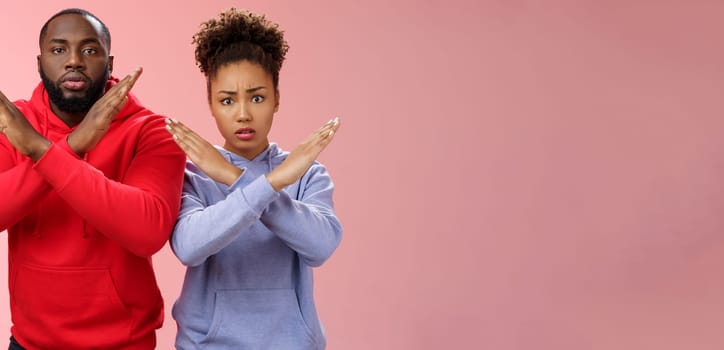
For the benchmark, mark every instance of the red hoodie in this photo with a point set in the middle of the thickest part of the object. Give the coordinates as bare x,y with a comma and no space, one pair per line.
81,232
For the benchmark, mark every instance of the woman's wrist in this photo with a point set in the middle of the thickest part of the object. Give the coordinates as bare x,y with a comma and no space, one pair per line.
231,174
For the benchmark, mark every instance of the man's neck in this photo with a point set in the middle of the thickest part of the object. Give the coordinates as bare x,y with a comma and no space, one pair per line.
70,119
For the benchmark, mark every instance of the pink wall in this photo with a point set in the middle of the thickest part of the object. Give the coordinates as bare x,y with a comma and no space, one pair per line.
510,175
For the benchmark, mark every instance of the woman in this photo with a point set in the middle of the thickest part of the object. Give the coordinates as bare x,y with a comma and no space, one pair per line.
254,219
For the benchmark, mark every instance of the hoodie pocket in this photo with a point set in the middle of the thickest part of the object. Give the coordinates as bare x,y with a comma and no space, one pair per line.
69,305
258,319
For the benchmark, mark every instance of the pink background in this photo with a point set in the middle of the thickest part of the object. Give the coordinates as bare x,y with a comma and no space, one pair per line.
510,174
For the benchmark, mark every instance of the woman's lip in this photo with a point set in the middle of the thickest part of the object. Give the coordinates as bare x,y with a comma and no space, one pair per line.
245,134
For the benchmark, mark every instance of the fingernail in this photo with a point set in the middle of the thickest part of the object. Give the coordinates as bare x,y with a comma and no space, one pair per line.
331,132
336,120
167,120
175,121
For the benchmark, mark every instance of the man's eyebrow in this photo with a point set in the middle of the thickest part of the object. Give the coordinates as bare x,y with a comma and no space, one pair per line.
58,41
84,41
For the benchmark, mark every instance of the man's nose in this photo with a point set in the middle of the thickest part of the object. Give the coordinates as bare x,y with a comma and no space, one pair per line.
75,61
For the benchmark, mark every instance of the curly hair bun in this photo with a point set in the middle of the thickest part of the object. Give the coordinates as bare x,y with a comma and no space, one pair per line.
238,35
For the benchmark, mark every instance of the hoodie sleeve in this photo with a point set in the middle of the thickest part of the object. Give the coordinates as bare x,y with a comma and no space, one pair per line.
139,212
221,222
308,225
22,186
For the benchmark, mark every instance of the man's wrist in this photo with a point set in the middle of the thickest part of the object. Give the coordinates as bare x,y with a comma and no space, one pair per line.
71,140
38,151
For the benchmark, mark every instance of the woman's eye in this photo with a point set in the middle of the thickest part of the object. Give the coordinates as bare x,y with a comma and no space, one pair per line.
257,99
226,101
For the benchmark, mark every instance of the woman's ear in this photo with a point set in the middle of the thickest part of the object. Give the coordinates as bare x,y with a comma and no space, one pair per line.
276,98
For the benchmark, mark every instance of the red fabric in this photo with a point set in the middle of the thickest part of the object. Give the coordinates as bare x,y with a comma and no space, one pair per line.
81,231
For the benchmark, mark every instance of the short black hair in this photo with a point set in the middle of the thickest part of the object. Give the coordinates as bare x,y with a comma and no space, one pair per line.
104,29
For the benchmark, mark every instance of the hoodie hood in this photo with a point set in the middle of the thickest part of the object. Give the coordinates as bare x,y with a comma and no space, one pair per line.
40,103
272,156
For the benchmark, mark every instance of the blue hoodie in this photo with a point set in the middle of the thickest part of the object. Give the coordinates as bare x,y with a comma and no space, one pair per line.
250,253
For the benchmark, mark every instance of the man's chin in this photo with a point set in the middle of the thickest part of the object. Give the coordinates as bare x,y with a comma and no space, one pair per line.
74,94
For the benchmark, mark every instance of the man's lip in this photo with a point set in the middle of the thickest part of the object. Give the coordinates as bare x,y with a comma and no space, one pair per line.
74,76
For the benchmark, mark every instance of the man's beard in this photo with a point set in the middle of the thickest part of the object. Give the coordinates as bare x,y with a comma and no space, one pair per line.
75,104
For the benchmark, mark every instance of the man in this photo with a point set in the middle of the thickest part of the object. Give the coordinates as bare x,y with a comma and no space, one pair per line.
91,184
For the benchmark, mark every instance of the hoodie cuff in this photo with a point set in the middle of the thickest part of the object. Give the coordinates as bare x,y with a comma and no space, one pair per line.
56,165
259,194
237,183
63,144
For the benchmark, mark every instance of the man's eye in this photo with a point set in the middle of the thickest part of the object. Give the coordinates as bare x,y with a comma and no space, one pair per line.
89,51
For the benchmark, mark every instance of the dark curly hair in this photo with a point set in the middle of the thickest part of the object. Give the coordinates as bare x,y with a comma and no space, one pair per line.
239,35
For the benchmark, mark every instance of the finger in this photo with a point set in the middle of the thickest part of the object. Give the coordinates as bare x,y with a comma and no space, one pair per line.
170,127
133,77
125,85
6,106
335,125
174,127
181,134
321,132
184,147
177,125
182,131
114,107
328,133
329,129
4,100
187,132
332,124
191,149
192,140
8,110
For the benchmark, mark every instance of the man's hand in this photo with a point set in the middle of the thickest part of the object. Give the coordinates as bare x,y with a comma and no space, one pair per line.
19,132
98,119
203,154
302,157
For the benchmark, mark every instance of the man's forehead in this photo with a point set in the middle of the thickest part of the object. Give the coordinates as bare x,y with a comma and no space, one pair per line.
72,24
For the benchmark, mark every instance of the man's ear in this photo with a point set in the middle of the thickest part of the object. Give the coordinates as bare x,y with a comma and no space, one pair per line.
110,65
38,63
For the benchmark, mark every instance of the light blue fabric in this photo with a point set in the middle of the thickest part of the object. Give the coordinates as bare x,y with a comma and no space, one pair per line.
250,253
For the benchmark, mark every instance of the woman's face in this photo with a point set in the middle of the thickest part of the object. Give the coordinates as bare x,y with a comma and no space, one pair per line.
243,101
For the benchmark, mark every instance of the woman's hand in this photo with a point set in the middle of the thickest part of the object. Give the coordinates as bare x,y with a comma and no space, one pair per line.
302,157
203,154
